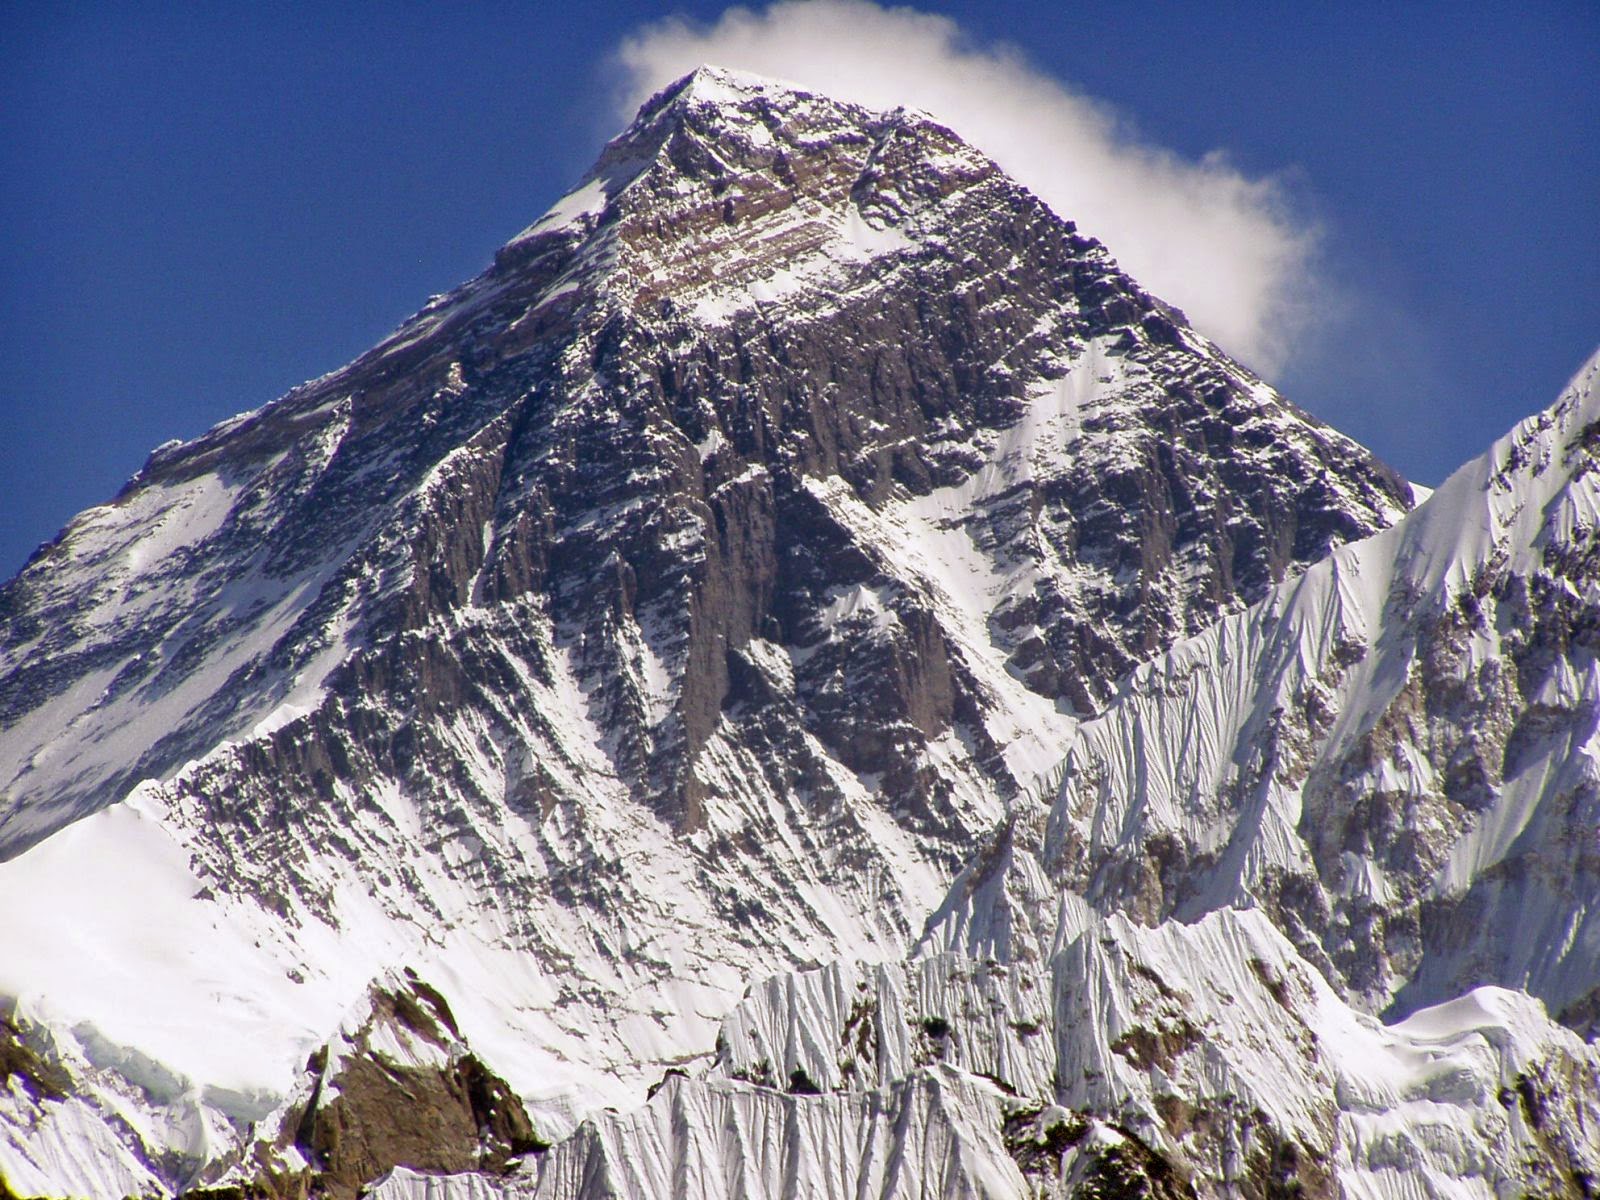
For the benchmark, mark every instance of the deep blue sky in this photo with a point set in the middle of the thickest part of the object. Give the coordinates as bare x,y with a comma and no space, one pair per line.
204,205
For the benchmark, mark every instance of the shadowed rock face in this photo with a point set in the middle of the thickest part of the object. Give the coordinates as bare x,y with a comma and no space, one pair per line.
684,595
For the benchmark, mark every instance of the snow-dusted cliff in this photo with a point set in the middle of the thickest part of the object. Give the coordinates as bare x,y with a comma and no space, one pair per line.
1035,1046
1396,755
690,599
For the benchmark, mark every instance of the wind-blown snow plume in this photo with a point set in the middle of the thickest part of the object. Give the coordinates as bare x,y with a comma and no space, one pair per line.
1219,244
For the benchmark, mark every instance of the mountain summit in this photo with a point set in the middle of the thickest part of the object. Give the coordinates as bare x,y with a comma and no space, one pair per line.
435,757
757,299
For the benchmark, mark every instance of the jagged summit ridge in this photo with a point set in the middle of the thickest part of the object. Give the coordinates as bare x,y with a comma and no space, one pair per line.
678,602
793,223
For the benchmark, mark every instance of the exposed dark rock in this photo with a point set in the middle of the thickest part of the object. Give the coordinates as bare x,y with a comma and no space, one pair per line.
439,1109
43,1078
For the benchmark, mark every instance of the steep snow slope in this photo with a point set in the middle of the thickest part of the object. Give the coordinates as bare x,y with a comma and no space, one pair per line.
1394,756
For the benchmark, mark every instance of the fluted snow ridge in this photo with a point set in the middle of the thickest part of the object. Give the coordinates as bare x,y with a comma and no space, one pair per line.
1206,1060
1395,755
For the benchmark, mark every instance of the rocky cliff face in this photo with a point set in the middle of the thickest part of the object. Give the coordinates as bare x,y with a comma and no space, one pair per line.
685,599
1034,1046
771,340
1394,756
396,1085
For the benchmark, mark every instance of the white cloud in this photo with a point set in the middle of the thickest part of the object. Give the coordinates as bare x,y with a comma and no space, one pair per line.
1202,235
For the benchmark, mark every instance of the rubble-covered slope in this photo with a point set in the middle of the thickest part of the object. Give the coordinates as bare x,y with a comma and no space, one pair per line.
1394,756
676,602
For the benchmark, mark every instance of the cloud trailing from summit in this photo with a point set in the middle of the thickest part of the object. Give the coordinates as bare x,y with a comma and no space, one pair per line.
1202,235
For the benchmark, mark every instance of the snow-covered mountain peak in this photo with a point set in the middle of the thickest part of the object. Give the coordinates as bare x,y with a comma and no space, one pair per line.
725,89
735,233
804,186
684,600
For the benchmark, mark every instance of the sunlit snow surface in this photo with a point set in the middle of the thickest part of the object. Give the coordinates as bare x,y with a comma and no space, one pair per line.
1122,1021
